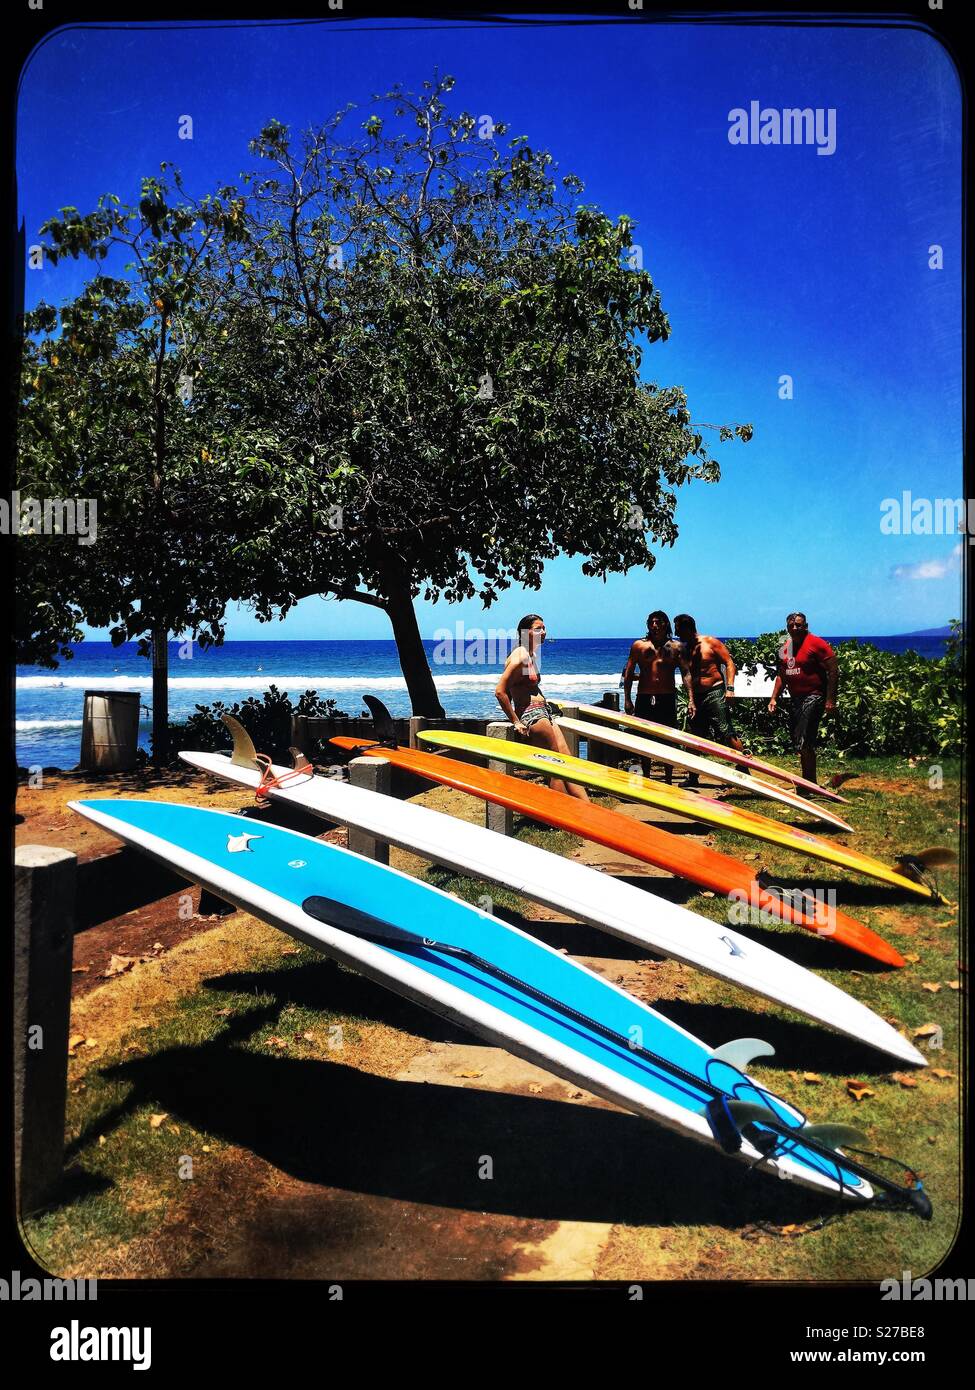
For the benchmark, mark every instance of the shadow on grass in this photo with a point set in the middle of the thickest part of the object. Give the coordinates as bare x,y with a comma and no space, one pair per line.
330,1124
322,1121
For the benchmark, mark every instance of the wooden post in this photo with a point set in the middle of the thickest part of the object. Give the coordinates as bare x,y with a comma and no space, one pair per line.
44,911
299,733
417,722
376,775
498,818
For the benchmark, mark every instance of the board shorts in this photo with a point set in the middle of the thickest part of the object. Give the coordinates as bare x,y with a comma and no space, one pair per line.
534,714
804,716
713,716
662,709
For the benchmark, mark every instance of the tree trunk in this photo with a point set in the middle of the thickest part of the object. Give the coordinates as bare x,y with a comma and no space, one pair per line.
413,659
160,698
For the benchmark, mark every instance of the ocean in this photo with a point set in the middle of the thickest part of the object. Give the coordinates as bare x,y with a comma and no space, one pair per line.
50,703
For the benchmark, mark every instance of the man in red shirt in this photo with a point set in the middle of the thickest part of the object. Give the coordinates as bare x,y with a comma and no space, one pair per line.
808,669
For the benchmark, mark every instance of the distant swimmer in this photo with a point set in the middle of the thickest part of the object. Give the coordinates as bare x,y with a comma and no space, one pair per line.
519,693
810,673
656,657
710,683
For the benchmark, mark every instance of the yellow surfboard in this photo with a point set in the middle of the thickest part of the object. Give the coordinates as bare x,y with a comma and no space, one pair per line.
633,787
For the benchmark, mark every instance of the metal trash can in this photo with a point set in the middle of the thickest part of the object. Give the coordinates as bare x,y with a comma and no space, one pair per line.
110,730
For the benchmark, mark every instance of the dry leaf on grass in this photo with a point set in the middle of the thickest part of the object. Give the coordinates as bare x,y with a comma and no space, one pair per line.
118,966
156,1120
931,989
812,1078
859,1090
926,1030
75,1041
954,984
903,1079
940,1073
468,1074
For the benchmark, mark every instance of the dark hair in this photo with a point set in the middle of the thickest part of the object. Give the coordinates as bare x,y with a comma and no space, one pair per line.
658,613
684,620
526,622
798,614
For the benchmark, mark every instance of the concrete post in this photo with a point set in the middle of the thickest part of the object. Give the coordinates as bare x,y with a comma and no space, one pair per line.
498,818
44,910
376,775
570,735
601,753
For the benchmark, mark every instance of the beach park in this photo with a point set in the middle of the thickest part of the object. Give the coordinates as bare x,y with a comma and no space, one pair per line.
476,822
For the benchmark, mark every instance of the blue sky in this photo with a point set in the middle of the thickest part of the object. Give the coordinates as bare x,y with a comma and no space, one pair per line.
770,260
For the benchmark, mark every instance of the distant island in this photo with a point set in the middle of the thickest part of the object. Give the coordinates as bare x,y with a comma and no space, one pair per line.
929,632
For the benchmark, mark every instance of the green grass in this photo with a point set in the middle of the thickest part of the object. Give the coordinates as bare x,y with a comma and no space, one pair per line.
123,1171
919,1125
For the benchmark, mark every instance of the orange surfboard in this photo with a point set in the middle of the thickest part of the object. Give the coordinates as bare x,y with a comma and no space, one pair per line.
710,869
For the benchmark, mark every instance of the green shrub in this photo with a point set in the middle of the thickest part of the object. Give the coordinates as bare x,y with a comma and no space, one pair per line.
888,702
268,721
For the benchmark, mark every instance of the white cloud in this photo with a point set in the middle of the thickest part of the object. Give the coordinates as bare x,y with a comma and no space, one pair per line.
931,569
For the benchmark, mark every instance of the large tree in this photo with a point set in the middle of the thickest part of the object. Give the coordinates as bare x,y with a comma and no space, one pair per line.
462,336
416,359
106,414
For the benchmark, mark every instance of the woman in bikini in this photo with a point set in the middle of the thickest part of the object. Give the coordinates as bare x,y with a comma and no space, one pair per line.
520,695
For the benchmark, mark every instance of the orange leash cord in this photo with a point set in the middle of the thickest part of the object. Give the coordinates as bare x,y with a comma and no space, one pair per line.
268,782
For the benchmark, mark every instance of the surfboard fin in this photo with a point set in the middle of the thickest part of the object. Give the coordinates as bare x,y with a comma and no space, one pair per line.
919,866
936,858
299,761
741,1052
834,1135
244,754
728,1118
382,721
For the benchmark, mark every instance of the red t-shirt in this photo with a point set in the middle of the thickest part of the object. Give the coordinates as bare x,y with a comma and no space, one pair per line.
804,672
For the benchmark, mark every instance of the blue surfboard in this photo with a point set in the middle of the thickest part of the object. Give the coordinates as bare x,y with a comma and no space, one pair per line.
469,966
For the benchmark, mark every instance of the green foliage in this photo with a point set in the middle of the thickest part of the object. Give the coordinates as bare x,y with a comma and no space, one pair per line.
888,702
418,326
268,721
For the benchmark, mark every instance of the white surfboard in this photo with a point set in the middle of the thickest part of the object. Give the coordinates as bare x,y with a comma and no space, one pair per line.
603,902
705,767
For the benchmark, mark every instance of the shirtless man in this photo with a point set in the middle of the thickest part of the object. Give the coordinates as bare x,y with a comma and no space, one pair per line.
656,657
711,686
519,693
